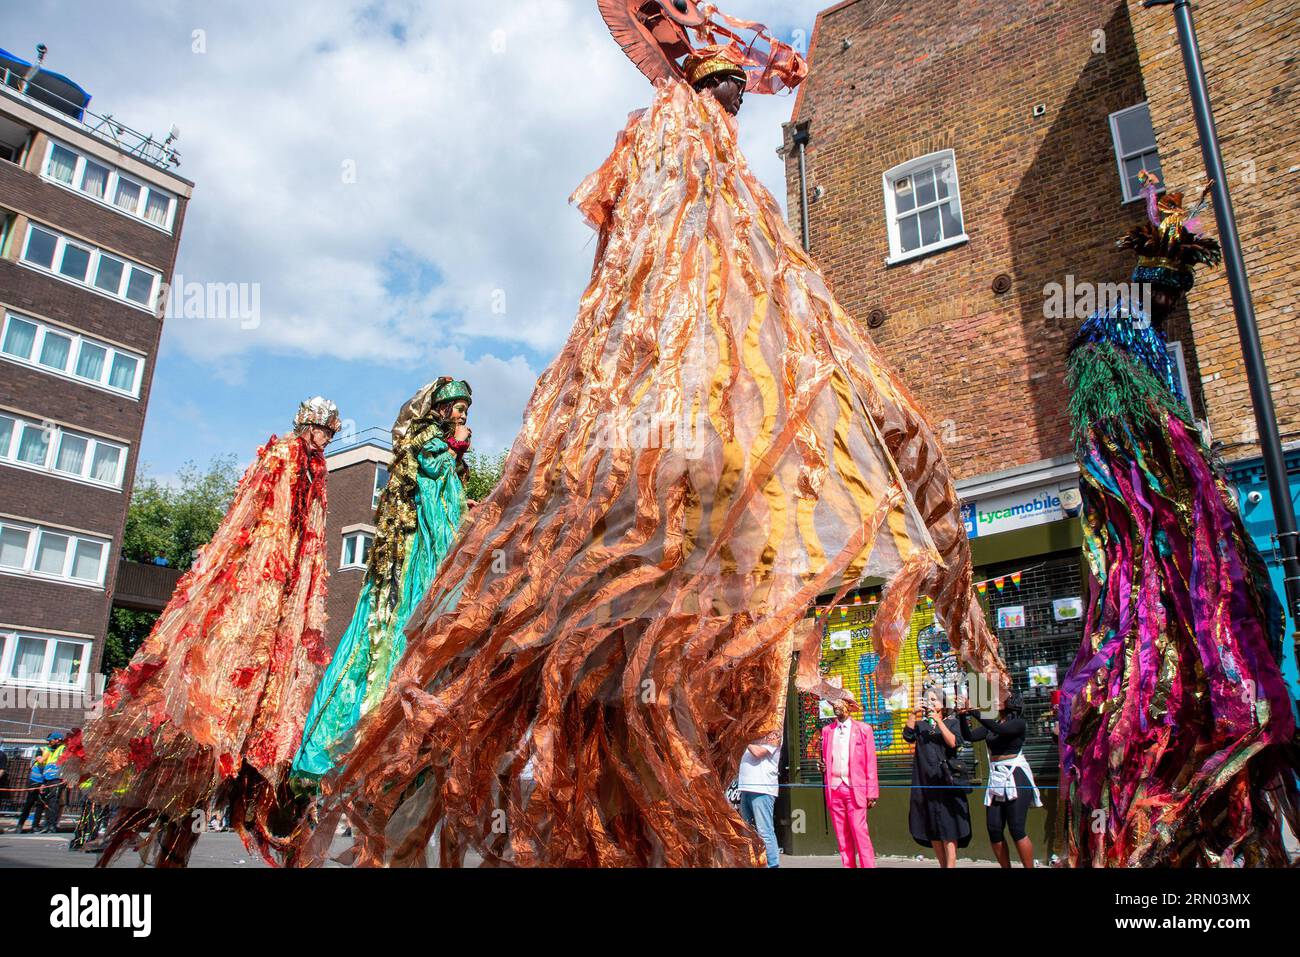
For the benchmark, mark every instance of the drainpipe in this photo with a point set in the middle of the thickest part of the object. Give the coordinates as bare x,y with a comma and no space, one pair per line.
800,139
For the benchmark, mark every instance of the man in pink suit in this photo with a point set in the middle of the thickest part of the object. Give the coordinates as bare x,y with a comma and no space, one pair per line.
852,788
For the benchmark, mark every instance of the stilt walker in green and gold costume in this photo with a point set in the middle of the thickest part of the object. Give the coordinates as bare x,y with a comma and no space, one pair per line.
416,523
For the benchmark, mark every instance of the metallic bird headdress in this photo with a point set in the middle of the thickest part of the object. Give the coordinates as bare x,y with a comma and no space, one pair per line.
320,411
1170,245
666,38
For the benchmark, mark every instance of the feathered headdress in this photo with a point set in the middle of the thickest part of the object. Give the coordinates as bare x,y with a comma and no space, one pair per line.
689,40
1170,244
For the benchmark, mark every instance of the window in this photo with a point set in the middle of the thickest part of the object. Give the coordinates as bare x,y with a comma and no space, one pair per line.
33,343
923,206
381,479
1135,148
67,167
44,659
51,448
1180,363
40,247
112,276
356,549
128,195
48,553
94,181
55,350
62,164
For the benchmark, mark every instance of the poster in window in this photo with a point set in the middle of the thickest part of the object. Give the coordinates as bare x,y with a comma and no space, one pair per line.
1067,609
1011,616
1042,677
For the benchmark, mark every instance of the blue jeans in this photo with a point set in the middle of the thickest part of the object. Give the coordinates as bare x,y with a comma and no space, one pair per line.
757,811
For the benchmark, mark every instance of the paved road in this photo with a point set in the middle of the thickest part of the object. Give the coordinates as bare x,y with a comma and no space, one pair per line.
224,849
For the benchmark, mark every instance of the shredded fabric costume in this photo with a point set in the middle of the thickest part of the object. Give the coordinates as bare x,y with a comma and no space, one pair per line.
211,707
1176,725
419,513
716,445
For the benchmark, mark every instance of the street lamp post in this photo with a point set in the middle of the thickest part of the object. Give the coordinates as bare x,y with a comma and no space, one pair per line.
1270,442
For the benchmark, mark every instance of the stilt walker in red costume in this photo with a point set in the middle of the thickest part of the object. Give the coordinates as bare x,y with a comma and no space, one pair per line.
209,713
716,445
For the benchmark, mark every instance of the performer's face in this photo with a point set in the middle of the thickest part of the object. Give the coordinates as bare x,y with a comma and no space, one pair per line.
841,710
460,411
730,92
1163,303
317,438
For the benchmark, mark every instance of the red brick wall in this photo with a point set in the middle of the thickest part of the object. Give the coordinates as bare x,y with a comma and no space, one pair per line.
1041,197
1249,50
351,490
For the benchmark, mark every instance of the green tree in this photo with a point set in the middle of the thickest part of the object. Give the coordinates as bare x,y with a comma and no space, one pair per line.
484,473
171,522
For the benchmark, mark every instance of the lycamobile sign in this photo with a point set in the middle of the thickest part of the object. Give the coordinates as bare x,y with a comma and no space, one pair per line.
1005,513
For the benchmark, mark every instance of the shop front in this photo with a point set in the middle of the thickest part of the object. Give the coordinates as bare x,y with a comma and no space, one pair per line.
1247,478
1031,583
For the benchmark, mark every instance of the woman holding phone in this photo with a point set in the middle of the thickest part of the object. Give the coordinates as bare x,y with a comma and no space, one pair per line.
939,816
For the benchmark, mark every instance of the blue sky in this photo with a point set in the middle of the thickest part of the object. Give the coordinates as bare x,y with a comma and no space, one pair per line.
392,176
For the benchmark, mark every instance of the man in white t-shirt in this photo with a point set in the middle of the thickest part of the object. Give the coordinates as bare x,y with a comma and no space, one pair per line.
759,781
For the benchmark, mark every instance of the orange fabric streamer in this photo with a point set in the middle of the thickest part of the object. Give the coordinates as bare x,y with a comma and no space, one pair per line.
716,445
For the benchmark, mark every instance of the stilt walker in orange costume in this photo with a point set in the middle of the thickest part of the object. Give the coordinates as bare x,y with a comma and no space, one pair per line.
716,445
209,713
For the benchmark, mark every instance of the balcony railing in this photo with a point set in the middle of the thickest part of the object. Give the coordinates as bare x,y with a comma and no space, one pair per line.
143,146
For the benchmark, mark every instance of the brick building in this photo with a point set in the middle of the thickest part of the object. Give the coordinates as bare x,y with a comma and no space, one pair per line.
968,170
90,222
358,469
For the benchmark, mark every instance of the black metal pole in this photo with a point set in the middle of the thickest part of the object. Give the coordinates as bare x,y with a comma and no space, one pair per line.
1270,442
800,139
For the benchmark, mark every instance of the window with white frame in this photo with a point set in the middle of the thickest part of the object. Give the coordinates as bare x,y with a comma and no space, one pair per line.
381,479
90,266
40,552
356,549
108,185
31,658
923,206
1135,148
68,354
50,448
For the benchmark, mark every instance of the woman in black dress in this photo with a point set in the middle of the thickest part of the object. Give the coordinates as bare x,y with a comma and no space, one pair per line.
939,816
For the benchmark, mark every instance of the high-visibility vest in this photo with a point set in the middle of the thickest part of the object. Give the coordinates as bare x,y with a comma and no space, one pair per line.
51,770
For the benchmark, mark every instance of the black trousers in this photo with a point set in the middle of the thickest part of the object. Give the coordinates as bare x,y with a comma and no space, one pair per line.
53,804
35,798
1011,815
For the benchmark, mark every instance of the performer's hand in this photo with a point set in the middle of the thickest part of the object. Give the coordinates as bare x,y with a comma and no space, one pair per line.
872,802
